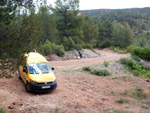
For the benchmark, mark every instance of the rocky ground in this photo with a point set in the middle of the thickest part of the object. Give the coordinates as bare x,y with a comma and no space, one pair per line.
73,54
79,91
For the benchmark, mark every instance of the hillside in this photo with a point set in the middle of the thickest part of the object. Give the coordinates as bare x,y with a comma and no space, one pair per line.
142,11
137,18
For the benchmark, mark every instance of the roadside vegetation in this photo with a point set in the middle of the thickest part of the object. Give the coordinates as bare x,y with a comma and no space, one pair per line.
98,72
136,67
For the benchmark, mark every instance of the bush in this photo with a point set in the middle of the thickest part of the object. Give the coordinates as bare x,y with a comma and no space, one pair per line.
88,46
68,43
121,101
59,50
78,47
131,64
86,68
100,72
2,110
51,48
137,58
143,53
106,43
126,61
136,51
136,73
118,50
106,63
46,49
130,48
135,66
138,93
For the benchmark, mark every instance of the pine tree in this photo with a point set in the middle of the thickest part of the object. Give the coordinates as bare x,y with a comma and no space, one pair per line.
90,30
122,34
69,21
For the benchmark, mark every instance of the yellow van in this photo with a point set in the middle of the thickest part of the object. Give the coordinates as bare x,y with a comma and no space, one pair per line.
37,74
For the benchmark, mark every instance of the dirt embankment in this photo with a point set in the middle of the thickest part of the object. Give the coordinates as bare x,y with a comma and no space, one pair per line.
77,91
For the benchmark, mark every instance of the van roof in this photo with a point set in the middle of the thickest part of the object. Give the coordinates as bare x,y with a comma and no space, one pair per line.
34,57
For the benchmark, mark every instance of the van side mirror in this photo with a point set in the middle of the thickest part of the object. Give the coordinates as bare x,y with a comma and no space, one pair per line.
25,70
52,68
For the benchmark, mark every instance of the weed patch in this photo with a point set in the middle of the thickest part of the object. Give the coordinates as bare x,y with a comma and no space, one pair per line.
106,63
86,68
2,110
99,72
118,50
144,107
136,93
122,101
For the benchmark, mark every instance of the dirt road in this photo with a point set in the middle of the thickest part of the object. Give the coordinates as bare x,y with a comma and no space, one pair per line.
106,55
77,91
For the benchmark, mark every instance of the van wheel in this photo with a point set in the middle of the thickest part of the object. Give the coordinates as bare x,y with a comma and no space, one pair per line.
27,86
19,75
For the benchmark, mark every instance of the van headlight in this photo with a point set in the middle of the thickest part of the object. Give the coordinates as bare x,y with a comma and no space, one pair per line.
54,80
32,82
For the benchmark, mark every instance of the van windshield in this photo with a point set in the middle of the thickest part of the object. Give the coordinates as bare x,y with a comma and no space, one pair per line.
39,68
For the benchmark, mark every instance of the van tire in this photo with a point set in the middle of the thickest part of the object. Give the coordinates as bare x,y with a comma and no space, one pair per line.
27,86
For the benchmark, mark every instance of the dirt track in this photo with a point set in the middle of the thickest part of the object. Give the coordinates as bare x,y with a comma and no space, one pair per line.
77,91
106,55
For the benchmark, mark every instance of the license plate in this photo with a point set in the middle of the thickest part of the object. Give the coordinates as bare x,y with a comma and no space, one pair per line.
45,87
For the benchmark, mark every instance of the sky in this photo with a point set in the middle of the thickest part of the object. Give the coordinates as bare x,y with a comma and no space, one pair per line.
110,4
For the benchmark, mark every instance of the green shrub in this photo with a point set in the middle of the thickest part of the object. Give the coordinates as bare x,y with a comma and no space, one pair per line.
130,48
138,93
88,46
118,50
106,43
144,107
51,48
86,68
137,58
143,53
136,73
2,110
100,72
78,46
46,48
68,43
121,101
135,66
59,50
126,61
106,63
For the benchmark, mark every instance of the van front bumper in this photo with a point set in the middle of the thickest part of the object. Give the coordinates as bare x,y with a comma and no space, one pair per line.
43,87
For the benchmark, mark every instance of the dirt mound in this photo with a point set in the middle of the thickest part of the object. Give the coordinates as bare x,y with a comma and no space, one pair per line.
53,57
85,54
107,49
73,54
